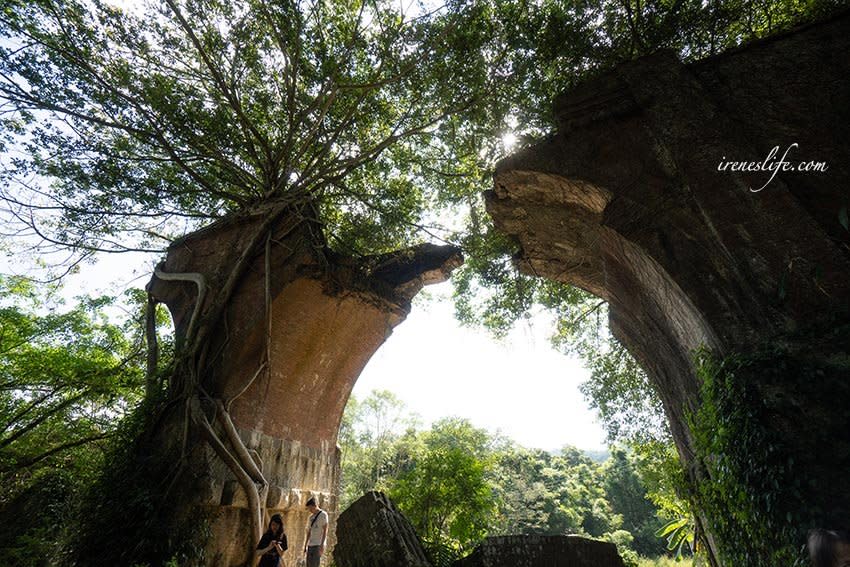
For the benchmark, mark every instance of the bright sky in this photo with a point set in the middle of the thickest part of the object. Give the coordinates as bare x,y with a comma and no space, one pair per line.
519,386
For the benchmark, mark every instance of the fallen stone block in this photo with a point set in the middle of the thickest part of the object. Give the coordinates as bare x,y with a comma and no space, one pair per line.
373,533
542,551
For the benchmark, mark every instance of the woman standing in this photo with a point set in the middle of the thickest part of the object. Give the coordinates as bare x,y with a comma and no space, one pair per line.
272,544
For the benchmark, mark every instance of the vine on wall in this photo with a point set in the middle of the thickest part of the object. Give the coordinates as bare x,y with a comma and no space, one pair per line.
122,518
772,442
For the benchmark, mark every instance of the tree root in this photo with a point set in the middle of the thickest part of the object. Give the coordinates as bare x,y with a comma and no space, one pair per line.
197,279
192,362
245,480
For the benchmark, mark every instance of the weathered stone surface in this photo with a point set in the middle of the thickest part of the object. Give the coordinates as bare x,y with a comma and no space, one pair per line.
542,551
373,533
626,201
289,374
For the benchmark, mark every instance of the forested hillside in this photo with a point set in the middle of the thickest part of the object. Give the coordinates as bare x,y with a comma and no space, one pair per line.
458,483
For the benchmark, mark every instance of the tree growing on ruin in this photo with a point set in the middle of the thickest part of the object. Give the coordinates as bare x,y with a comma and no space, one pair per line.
126,128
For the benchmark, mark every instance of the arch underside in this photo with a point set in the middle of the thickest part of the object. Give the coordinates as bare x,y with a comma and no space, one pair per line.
627,201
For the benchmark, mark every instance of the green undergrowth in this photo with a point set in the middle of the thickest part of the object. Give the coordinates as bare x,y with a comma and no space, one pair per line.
665,562
38,522
771,441
113,512
440,554
131,513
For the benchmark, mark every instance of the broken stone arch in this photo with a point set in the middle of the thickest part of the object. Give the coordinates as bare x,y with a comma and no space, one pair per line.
281,362
560,224
626,201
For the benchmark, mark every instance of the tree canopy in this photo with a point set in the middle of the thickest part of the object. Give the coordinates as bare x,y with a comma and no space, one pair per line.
130,127
67,377
127,127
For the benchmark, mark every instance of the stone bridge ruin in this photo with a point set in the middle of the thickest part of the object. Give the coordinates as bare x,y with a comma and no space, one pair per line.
299,330
626,201
629,201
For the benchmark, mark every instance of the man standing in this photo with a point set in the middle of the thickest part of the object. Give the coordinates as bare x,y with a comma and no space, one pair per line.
317,534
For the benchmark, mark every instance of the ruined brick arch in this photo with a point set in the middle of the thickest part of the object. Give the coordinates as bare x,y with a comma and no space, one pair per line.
564,236
626,200
300,327
561,226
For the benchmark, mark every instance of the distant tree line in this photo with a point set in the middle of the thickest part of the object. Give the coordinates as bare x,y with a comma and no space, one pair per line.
457,483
